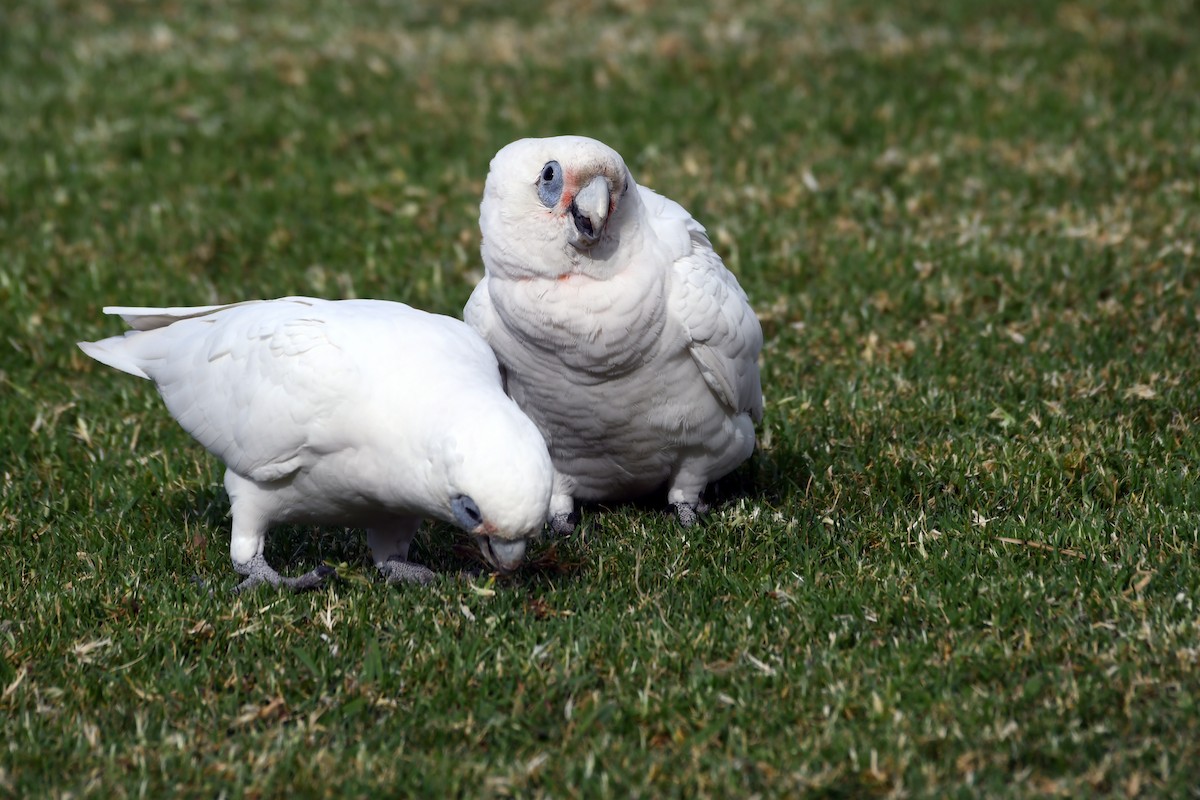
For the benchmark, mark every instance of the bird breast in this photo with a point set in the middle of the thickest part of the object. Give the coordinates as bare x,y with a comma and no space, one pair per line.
600,327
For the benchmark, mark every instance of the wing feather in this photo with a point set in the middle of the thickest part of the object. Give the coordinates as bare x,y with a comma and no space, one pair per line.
235,381
723,333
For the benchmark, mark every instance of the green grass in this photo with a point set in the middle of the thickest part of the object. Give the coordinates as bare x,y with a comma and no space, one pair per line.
963,562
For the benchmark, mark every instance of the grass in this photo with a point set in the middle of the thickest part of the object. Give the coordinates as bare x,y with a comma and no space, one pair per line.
963,562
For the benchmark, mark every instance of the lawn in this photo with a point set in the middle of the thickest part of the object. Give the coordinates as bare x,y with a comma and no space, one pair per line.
963,561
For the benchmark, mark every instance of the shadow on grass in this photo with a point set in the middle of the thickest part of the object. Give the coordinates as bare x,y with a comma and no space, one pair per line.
293,549
203,517
747,482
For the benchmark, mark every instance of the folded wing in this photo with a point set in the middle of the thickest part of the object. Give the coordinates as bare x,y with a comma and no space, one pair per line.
235,380
724,335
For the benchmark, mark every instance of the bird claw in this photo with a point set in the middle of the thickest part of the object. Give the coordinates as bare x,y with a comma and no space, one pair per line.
311,579
398,570
258,571
564,524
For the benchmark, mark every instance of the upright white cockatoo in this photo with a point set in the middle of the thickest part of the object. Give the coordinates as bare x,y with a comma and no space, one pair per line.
360,413
621,332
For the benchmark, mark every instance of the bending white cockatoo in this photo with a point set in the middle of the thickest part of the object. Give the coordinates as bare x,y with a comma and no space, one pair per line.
620,331
360,413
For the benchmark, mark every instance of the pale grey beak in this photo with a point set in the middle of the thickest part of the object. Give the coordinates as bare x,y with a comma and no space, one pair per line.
589,210
503,554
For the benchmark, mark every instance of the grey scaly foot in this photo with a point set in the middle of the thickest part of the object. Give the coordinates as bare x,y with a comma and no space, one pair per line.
688,514
398,570
564,524
258,571
312,579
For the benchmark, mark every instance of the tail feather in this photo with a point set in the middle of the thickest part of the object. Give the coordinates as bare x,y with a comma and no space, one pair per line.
147,319
117,353
111,352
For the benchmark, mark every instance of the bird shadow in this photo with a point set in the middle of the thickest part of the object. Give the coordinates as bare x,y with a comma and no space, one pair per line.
294,549
744,483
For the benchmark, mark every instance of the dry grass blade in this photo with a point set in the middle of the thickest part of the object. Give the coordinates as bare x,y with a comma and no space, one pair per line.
1064,551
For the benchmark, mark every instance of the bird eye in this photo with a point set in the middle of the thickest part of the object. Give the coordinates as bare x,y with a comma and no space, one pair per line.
550,184
466,512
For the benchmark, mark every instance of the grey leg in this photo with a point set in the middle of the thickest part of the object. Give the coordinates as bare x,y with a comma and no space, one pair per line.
250,522
389,549
397,570
688,514
563,517
564,524
258,571
683,493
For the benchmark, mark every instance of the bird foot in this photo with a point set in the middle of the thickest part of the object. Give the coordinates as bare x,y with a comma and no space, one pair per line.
688,514
398,570
564,524
258,571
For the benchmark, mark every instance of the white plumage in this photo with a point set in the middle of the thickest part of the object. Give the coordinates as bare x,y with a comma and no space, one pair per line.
355,412
622,334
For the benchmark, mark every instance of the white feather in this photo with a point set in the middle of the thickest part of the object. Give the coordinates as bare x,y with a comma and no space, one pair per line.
353,412
637,356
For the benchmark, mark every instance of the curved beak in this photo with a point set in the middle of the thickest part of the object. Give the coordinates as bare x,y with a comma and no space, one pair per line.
503,554
589,210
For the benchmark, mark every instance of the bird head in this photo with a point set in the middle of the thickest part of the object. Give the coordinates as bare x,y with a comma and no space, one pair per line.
500,477
555,207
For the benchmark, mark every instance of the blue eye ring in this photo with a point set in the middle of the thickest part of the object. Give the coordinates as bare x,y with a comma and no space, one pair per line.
550,184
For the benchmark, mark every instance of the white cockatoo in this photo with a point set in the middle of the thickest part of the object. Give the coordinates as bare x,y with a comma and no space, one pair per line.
360,413
620,331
